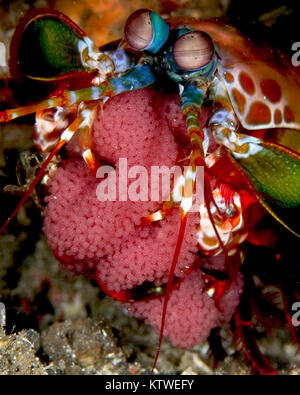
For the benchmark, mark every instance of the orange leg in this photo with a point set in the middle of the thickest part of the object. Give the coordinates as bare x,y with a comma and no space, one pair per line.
64,138
89,112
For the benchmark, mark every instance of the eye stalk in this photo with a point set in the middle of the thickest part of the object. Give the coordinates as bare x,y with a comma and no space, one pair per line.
146,31
193,50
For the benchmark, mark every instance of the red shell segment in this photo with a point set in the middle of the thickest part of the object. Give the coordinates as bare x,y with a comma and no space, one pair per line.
247,83
259,114
239,99
271,89
229,77
278,116
289,115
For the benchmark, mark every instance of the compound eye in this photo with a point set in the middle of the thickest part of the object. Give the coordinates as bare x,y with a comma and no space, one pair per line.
193,50
138,30
146,30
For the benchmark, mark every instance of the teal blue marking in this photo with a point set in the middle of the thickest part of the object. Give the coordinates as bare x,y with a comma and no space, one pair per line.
191,96
137,78
161,30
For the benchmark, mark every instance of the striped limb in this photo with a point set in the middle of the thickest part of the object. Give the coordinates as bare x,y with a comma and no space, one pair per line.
81,125
65,138
190,101
66,99
89,112
137,78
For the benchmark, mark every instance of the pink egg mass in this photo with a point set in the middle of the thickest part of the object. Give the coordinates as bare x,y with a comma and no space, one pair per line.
109,241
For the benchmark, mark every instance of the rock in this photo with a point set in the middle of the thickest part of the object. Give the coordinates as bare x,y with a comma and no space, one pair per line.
83,347
18,353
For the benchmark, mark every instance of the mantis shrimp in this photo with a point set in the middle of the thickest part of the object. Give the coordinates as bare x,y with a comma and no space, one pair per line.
251,91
